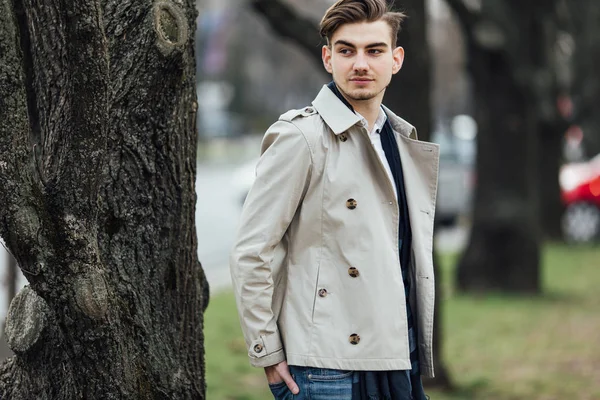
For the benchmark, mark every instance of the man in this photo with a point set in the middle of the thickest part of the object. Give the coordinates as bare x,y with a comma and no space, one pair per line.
332,268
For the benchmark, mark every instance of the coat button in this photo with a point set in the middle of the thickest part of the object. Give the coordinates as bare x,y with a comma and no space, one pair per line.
353,272
343,137
354,339
309,110
258,348
351,204
322,292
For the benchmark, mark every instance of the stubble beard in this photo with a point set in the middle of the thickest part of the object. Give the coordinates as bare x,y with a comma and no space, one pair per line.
359,95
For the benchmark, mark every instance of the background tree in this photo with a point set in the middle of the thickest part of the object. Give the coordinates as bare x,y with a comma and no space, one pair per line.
508,44
584,20
552,89
97,166
408,95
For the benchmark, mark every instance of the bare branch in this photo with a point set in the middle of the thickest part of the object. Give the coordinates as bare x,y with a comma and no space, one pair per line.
284,20
466,17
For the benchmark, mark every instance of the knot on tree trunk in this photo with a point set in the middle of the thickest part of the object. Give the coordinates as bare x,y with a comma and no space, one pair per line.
26,320
91,295
170,24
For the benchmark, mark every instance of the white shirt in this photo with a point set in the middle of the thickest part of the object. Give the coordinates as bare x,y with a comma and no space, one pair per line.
374,135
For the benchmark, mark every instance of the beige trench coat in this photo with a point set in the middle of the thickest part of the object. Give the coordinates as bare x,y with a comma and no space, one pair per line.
315,266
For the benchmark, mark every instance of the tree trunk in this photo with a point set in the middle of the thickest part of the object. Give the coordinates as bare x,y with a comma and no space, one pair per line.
585,21
97,162
409,93
553,121
503,251
509,45
551,207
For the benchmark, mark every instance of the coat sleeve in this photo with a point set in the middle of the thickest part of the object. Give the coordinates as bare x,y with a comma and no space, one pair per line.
282,177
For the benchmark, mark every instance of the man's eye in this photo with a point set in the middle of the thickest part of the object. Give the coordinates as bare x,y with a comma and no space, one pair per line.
375,51
345,51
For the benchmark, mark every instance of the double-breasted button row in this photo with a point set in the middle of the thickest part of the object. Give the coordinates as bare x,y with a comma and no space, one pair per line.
323,293
353,272
351,204
354,339
342,137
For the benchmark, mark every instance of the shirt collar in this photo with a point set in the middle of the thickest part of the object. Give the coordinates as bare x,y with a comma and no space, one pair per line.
378,125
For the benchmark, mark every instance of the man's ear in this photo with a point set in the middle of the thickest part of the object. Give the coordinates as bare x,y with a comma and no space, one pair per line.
398,55
326,56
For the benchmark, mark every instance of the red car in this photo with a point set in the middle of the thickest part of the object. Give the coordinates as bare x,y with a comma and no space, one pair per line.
580,184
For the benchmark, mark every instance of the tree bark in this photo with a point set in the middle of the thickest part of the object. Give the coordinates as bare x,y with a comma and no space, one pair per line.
507,41
97,156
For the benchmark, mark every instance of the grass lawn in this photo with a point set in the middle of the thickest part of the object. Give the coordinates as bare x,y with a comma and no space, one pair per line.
496,347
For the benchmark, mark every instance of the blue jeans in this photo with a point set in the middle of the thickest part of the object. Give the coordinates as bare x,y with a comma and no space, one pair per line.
316,384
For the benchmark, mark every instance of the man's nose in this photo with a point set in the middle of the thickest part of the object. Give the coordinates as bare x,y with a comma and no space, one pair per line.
360,63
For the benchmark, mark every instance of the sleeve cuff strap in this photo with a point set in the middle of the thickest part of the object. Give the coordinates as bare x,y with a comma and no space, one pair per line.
266,348
268,360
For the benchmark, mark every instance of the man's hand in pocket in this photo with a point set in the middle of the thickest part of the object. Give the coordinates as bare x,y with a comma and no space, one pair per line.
281,373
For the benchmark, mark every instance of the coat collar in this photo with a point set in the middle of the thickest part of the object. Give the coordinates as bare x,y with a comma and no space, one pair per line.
334,112
340,118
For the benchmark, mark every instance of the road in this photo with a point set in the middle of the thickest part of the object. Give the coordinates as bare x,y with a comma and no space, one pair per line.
217,212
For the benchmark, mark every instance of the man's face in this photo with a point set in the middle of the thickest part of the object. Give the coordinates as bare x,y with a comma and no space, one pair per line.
361,59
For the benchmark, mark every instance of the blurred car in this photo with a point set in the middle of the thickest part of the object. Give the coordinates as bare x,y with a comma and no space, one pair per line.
580,191
456,177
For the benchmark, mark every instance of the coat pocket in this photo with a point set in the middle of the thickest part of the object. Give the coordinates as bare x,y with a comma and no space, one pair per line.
315,293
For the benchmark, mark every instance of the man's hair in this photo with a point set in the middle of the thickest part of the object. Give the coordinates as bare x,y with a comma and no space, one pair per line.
352,11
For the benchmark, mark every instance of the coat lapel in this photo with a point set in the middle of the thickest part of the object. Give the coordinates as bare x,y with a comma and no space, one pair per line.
420,164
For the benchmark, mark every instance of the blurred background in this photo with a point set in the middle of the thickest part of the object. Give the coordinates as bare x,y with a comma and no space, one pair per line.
511,92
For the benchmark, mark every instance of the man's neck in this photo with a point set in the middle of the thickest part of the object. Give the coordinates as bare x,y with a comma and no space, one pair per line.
369,109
